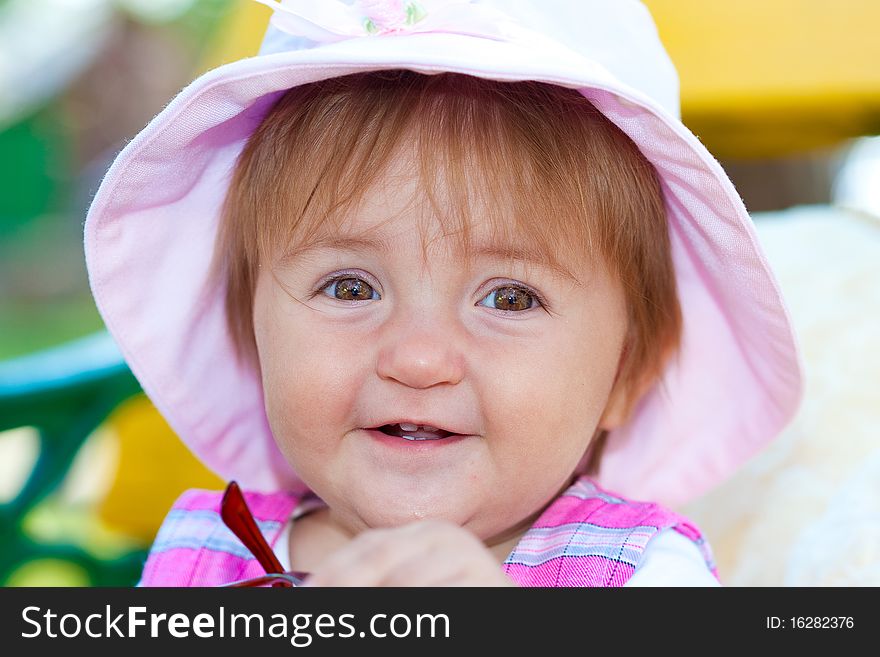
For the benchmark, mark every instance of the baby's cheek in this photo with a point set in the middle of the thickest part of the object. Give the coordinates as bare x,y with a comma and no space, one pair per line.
296,390
309,393
564,408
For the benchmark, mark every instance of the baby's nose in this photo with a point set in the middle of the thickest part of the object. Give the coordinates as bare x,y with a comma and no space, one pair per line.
421,354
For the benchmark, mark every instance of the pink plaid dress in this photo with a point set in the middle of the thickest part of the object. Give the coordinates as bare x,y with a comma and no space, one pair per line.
586,537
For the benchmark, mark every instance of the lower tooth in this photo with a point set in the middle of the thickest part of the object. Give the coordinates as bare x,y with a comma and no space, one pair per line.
417,438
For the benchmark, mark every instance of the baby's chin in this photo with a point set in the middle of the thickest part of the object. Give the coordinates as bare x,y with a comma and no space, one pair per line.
392,502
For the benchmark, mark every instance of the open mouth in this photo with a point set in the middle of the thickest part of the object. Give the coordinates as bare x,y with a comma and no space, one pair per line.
414,432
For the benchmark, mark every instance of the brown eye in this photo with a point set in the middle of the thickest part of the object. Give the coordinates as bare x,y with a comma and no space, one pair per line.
351,289
509,297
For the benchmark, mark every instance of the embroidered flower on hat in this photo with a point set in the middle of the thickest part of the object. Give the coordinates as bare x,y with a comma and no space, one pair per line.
386,16
327,21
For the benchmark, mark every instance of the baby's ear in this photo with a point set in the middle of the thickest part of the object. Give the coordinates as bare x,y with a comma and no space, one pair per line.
626,392
619,406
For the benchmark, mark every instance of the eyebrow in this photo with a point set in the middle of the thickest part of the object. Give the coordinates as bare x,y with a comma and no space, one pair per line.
343,243
360,243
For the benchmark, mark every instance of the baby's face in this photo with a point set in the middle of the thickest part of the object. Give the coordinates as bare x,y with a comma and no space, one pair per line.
353,336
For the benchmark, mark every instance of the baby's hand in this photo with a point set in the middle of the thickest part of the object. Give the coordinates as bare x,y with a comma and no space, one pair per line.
423,553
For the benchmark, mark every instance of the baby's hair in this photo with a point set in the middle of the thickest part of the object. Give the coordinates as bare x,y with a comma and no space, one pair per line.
547,169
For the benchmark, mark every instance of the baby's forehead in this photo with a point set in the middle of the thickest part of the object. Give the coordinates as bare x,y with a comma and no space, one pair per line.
371,230
477,221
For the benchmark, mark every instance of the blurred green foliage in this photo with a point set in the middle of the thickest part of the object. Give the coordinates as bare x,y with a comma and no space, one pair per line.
44,193
45,186
34,168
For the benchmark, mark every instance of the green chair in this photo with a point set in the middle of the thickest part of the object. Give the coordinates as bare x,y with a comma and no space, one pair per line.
64,393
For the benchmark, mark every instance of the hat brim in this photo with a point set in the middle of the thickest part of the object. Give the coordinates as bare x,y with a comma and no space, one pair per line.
149,240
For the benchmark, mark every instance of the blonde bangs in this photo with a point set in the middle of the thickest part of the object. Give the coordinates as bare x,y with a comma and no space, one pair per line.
553,177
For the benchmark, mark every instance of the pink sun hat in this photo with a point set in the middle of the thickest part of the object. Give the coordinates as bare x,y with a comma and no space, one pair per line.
149,234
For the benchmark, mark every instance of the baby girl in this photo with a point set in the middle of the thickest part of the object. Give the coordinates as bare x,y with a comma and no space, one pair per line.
452,293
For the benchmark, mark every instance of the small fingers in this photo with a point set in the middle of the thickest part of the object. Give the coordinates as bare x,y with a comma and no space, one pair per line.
424,553
364,561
